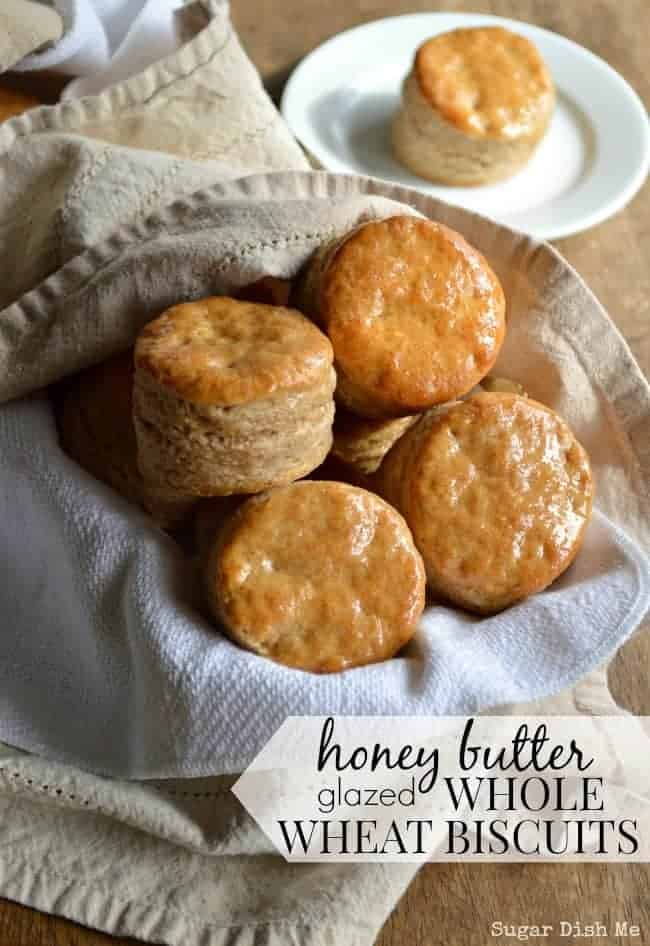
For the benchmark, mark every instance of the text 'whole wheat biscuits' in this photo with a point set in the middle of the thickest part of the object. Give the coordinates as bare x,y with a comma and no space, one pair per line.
415,315
231,397
474,106
497,492
320,576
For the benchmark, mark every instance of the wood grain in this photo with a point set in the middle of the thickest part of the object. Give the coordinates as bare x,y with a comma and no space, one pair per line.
455,904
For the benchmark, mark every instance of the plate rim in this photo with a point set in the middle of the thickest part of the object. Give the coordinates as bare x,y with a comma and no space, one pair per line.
578,224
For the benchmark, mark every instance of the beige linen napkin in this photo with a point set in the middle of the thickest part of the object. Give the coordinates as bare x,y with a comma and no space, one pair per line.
179,862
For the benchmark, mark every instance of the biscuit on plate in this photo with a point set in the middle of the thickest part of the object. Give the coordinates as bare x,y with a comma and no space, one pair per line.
474,106
317,576
96,430
231,397
497,492
415,315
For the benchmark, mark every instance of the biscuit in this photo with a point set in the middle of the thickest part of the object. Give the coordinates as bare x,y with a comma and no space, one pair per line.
14,103
231,397
415,315
96,430
474,107
317,576
497,492
362,444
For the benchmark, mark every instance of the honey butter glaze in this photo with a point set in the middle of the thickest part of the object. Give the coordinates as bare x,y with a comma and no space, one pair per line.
318,575
415,316
222,351
487,82
497,491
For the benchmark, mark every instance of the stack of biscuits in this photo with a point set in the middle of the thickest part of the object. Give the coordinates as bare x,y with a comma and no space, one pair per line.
317,530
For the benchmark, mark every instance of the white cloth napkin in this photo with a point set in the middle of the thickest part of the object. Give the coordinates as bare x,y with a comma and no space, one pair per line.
107,40
107,663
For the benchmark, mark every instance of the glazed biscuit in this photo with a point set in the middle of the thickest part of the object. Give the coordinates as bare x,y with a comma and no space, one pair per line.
317,576
474,107
362,444
497,492
231,397
415,315
96,429
14,103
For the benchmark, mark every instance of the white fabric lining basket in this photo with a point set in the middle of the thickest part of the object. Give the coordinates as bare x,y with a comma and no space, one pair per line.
125,676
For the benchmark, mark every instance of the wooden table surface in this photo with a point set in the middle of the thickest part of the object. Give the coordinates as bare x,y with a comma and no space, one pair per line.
454,904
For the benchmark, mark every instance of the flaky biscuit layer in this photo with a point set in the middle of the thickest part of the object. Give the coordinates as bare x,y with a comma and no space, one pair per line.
231,397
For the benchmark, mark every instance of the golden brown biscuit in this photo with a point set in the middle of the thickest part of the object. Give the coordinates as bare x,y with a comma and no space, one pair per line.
415,315
362,444
231,397
14,103
318,576
96,430
474,106
497,491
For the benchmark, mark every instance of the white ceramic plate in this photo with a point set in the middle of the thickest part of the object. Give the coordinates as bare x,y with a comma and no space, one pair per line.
594,158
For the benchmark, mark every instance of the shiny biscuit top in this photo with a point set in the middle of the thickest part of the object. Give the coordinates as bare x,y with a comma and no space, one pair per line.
487,81
320,576
221,351
499,493
414,313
